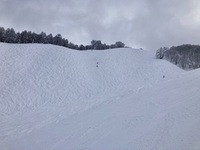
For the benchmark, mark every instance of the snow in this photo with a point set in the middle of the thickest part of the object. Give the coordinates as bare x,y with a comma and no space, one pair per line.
54,98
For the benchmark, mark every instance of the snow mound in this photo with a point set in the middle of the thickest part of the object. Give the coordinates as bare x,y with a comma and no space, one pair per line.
56,98
35,75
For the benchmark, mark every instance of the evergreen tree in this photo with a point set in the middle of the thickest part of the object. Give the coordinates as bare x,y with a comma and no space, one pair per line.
2,34
10,36
57,40
30,37
113,46
42,38
50,38
97,45
65,42
81,47
35,38
18,38
24,37
71,45
88,47
119,44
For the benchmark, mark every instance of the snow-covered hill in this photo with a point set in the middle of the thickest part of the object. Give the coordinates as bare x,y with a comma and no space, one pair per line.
56,98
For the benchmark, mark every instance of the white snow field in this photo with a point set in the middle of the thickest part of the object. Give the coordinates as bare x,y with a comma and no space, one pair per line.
54,98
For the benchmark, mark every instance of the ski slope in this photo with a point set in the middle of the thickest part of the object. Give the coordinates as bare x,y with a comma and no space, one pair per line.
55,98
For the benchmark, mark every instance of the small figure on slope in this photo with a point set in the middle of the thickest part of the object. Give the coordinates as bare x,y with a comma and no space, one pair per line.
97,65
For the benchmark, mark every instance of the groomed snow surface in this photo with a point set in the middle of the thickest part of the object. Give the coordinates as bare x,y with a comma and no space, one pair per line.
54,98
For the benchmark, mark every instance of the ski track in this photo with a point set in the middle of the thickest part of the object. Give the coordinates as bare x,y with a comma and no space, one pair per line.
56,98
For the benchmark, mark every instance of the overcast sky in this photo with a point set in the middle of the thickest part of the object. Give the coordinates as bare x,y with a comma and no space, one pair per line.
149,24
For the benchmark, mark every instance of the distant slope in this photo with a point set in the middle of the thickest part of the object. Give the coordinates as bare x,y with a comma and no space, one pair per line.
56,98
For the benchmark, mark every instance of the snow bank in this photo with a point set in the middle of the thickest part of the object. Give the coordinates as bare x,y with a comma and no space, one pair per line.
34,75
56,98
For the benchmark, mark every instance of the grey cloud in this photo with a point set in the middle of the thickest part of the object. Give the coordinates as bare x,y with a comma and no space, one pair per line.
138,23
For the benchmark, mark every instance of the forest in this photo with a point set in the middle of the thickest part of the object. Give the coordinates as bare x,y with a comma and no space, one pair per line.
10,36
185,56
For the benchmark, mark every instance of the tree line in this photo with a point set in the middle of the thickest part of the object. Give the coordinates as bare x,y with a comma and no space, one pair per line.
185,56
10,36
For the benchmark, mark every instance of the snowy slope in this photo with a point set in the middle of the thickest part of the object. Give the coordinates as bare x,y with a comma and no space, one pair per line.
56,98
39,75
